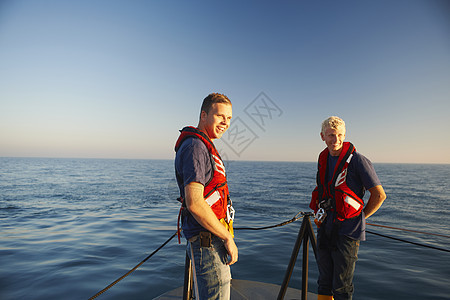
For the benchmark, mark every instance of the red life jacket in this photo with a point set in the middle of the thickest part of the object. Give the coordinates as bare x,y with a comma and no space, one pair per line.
346,203
216,189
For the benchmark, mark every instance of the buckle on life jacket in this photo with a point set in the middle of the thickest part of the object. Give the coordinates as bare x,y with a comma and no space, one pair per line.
326,204
230,213
320,217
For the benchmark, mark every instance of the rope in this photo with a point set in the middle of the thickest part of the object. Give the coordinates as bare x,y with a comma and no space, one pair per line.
132,270
409,230
295,218
405,241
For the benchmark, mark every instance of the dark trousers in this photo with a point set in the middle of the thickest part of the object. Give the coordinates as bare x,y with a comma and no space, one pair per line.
336,259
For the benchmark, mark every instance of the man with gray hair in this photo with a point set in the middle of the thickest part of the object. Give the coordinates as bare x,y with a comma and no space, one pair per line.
343,176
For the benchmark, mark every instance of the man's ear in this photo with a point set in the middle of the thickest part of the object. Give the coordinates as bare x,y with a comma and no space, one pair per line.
203,115
322,136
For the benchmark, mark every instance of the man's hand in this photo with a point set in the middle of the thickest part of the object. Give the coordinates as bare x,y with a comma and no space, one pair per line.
232,251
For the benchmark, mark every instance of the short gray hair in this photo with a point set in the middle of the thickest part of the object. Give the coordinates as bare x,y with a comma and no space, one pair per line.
332,122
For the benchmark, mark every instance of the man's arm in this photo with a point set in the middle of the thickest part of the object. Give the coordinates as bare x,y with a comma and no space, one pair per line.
204,215
377,196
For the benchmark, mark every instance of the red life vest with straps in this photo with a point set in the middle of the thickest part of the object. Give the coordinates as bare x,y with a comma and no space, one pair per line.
346,203
216,189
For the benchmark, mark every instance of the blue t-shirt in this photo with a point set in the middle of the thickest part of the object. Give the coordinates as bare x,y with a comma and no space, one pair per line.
192,164
361,176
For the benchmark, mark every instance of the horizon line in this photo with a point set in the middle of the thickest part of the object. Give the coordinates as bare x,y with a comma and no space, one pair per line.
230,160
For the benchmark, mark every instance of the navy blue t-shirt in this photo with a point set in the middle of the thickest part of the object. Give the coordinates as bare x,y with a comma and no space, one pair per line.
361,176
192,164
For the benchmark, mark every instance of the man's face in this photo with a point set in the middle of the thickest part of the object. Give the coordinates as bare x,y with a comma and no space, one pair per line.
334,139
217,121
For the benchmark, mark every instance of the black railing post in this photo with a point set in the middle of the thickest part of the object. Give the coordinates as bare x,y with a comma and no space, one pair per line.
305,234
187,290
305,266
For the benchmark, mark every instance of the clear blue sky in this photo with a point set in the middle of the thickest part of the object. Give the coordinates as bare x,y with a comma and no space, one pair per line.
118,79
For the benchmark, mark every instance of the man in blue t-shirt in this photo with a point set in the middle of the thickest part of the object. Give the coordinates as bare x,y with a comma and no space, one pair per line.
338,241
210,245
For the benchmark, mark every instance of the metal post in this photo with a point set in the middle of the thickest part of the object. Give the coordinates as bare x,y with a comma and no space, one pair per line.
187,291
312,238
291,265
305,234
305,262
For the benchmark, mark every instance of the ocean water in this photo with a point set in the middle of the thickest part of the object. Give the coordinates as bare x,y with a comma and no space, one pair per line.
70,227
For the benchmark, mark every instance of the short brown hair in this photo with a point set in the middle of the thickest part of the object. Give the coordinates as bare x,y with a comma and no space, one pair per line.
213,98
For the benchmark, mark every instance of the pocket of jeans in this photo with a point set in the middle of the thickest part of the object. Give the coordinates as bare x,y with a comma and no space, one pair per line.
222,252
350,247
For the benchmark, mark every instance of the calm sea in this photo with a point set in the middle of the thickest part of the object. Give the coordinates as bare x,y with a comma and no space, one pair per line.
70,227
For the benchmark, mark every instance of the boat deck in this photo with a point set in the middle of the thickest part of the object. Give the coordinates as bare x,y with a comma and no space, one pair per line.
247,290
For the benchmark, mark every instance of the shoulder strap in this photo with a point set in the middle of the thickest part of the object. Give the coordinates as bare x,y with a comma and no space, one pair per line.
345,154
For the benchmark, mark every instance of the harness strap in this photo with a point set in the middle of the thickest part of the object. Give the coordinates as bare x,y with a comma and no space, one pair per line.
178,221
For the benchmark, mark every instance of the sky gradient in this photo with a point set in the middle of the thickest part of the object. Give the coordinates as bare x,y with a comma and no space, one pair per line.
118,79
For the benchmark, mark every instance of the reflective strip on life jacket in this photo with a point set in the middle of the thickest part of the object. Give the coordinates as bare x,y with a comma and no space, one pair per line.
218,165
352,202
343,175
213,198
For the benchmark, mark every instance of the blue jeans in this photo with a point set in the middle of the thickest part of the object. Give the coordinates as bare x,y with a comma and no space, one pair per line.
213,274
336,259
